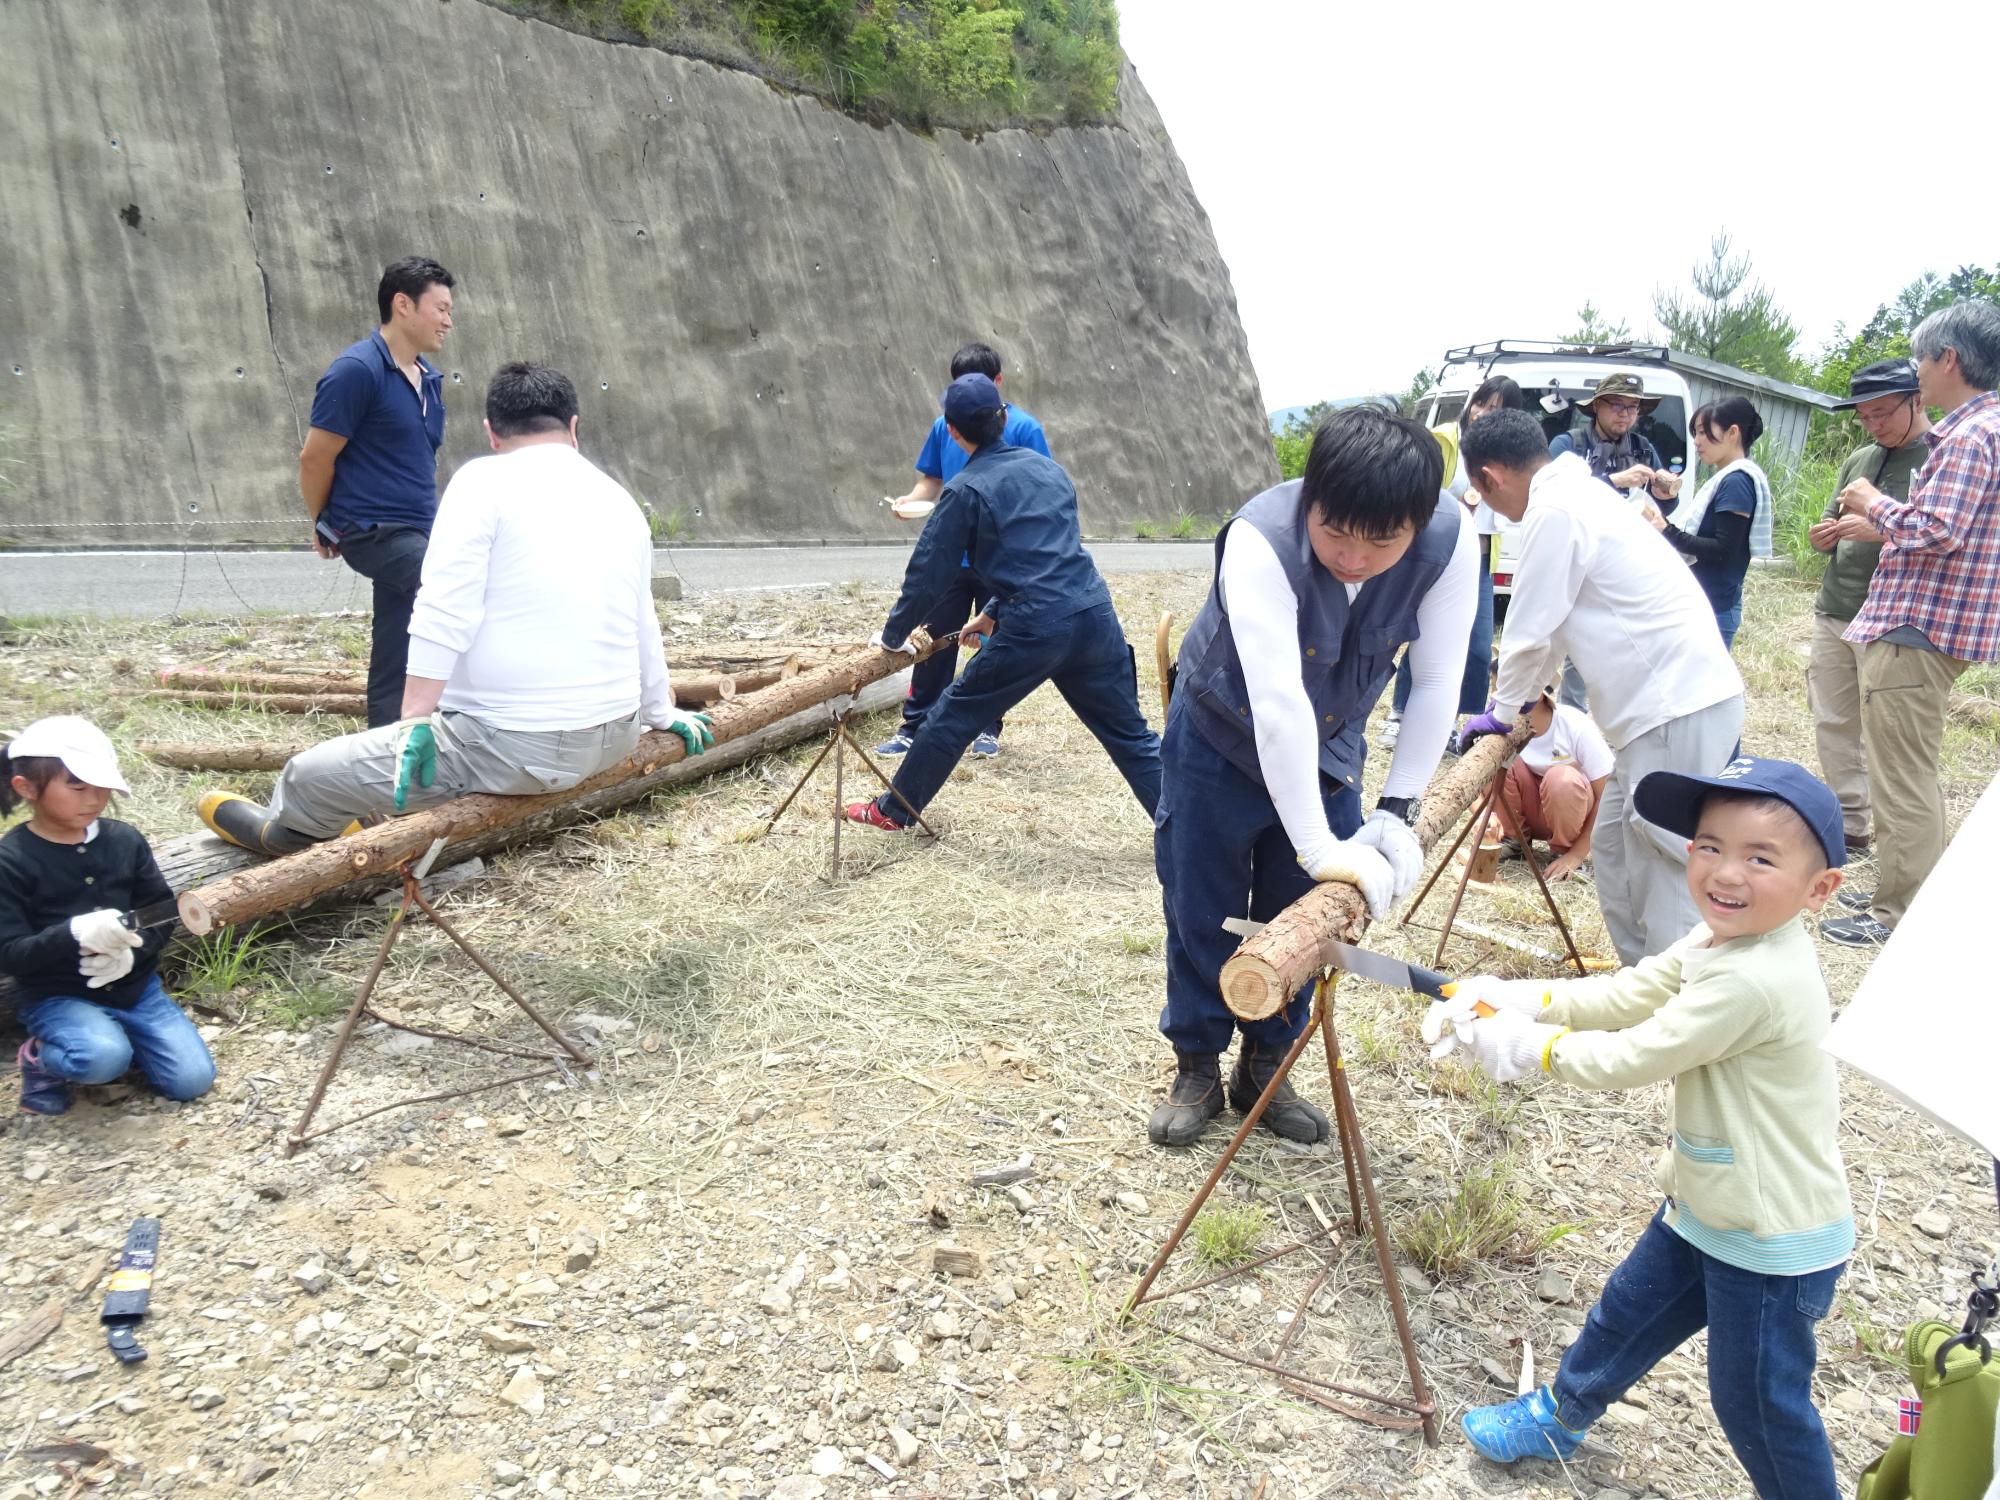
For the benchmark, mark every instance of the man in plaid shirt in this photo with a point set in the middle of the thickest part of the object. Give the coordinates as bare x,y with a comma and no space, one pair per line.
1933,606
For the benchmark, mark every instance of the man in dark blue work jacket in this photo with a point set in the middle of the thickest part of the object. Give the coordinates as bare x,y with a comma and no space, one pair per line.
1048,615
368,471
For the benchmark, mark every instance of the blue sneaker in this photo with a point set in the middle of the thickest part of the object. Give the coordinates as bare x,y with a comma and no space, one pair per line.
42,1092
1525,1427
987,745
896,744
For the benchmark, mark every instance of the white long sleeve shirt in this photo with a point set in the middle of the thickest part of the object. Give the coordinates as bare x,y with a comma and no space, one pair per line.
1596,583
1264,624
536,607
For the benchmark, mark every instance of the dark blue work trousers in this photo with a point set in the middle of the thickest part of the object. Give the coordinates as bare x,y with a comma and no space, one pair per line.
1221,851
1085,656
931,677
392,558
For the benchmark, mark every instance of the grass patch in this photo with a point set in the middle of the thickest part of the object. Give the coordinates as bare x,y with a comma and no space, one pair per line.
1226,1236
1140,942
217,966
1185,527
1483,1220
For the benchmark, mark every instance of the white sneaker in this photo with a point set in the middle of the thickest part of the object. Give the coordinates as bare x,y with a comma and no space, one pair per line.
1391,728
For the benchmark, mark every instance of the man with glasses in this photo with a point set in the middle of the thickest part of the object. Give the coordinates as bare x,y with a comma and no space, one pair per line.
1883,397
1617,452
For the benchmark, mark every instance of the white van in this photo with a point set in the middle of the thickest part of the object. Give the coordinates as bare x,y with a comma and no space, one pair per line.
1558,376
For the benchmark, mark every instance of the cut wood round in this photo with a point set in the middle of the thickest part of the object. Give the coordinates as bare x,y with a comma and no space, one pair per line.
224,679
261,756
699,688
481,821
353,706
1275,964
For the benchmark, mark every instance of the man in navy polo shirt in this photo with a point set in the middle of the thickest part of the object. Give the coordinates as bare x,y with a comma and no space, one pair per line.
937,466
368,471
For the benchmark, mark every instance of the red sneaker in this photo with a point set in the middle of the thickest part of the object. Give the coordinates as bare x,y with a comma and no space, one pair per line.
870,812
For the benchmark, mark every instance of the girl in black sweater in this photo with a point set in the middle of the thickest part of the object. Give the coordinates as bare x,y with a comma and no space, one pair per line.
85,983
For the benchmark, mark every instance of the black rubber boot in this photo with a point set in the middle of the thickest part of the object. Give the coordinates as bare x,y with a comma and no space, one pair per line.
1287,1114
1194,1100
239,821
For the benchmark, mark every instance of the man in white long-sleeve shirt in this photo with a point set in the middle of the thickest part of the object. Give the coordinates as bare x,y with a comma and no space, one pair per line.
1596,583
1319,583
535,659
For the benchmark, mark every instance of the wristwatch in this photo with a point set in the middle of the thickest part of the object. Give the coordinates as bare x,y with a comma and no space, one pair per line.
1402,807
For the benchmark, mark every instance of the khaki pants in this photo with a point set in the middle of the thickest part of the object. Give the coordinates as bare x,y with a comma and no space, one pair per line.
325,788
1904,694
1833,690
1551,805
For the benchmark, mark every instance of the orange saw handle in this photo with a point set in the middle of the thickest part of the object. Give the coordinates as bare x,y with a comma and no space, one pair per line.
1479,1008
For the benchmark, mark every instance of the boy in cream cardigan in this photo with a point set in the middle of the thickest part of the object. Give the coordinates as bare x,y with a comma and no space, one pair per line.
1757,1225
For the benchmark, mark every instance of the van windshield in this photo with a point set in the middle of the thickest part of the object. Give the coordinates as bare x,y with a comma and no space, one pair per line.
1665,426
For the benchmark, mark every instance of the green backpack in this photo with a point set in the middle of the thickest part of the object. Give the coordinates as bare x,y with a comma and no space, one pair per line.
1945,1450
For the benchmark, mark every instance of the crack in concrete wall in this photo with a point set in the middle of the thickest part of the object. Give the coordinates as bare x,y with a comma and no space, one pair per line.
756,294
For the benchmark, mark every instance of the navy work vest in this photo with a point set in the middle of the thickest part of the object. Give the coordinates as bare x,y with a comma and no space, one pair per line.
1346,650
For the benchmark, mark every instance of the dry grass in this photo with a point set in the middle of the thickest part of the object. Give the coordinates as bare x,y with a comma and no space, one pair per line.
817,1063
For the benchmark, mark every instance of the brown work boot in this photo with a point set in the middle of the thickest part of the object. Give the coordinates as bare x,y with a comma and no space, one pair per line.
1194,1100
1287,1114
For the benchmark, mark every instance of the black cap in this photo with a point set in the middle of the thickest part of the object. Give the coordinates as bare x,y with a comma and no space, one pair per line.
1674,801
967,397
1886,377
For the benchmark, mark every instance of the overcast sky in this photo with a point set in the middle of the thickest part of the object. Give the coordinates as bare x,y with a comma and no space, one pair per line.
1388,180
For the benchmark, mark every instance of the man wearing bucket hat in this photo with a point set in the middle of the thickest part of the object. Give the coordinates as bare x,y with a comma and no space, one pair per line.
1883,397
1617,452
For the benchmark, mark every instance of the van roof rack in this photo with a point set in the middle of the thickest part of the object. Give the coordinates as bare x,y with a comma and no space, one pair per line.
1500,349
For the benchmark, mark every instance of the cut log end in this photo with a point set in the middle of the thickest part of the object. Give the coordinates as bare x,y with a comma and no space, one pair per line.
1253,990
195,915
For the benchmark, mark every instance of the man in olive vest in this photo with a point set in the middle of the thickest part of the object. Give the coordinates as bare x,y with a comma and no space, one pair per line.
1319,583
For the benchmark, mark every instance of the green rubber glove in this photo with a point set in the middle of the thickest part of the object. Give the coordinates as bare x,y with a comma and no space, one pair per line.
693,729
416,757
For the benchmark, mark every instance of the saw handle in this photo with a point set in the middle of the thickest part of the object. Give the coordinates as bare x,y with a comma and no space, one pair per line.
1480,1008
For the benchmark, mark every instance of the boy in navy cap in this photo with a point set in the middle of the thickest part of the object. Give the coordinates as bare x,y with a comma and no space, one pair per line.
1047,616
1757,1225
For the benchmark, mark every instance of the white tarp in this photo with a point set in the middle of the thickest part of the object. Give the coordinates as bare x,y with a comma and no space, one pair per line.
1922,1022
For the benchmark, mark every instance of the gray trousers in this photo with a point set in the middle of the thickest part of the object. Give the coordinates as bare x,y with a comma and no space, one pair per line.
325,788
1641,867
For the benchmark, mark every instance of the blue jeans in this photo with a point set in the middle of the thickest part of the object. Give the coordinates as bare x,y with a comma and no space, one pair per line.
85,1042
931,677
1477,686
1761,1351
1216,841
1728,621
1085,656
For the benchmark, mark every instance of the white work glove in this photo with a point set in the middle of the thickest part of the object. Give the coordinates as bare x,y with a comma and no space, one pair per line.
1510,1046
1528,997
102,931
919,638
1398,843
1447,1024
1447,1027
1360,865
100,969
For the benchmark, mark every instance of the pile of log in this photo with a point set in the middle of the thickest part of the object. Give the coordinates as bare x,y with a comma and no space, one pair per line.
222,885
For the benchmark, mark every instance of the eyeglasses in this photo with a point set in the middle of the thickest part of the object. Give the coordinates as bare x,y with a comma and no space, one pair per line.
1610,405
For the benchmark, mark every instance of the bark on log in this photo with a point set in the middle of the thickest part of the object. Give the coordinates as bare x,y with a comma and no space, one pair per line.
480,822
1273,965
229,679
353,706
699,689
757,680
259,756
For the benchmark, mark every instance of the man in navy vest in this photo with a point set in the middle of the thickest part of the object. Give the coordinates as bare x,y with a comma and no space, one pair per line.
1319,583
1047,616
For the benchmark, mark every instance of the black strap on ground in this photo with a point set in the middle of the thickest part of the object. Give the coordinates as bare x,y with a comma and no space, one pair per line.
130,1290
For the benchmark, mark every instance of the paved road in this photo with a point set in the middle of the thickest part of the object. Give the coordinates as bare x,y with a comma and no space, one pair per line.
226,583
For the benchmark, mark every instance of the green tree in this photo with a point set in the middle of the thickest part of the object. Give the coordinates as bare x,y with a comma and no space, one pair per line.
1592,327
1420,387
1294,440
1729,317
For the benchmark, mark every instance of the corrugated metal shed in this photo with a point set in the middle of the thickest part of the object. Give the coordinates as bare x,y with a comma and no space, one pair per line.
1787,411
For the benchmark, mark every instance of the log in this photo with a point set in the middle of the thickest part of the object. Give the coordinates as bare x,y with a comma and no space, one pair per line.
476,823
1275,964
256,756
228,679
30,1331
353,706
757,680
699,689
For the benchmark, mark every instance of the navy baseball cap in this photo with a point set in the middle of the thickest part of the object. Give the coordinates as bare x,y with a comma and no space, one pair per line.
967,397
1674,801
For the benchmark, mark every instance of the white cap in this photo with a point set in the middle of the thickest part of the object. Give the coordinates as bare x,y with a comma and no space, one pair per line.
80,745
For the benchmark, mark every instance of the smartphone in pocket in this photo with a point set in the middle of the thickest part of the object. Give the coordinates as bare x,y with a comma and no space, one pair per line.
327,534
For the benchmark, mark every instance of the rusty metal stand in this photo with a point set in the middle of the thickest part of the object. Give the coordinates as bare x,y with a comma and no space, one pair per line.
1479,820
413,872
839,742
1416,1414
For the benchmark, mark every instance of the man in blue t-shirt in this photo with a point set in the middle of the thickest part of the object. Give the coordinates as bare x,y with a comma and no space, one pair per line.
937,466
368,471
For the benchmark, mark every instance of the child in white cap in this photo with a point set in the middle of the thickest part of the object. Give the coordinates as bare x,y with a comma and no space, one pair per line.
86,989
